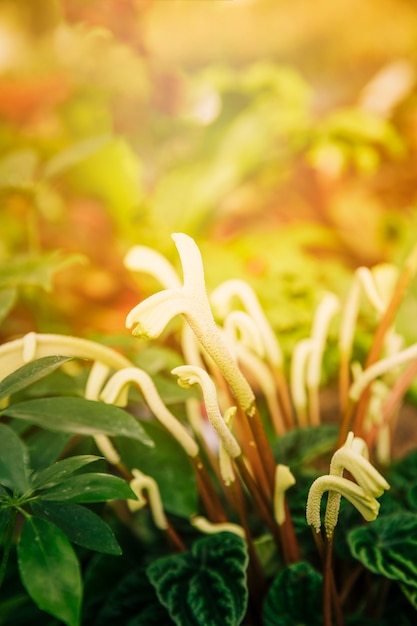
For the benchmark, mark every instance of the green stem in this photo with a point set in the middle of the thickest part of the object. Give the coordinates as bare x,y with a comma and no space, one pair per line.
8,544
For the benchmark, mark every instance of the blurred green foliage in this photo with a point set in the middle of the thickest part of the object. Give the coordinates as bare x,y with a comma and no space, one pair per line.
281,166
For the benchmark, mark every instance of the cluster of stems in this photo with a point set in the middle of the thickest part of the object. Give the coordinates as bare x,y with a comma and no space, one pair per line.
232,355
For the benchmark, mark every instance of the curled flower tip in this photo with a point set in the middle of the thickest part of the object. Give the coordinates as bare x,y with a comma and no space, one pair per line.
143,484
150,317
205,526
189,375
147,260
353,456
284,479
367,506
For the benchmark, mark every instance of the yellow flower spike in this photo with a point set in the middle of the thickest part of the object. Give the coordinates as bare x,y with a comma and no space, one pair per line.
209,528
150,317
328,307
149,261
222,298
284,479
225,462
301,354
381,367
242,329
118,385
377,285
259,372
188,376
142,483
367,506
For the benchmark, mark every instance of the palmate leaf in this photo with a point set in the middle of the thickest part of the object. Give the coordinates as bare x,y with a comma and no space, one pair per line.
294,597
30,373
81,526
89,487
14,458
61,470
388,547
205,586
78,415
49,570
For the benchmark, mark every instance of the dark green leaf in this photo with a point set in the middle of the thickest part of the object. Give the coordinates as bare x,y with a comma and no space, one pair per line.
302,445
61,470
77,415
44,447
412,497
168,464
205,586
50,570
90,488
410,593
132,601
30,373
4,518
294,597
388,547
13,460
81,526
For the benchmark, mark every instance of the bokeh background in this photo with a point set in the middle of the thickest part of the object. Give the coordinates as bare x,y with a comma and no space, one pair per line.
280,134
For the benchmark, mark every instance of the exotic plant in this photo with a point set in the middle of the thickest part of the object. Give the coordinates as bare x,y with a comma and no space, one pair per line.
230,468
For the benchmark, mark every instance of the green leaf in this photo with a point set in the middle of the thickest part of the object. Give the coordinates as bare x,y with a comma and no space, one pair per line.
81,526
302,445
13,460
77,415
50,570
388,547
90,487
61,470
30,373
8,298
410,593
44,447
168,464
205,586
74,154
294,598
34,270
4,518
